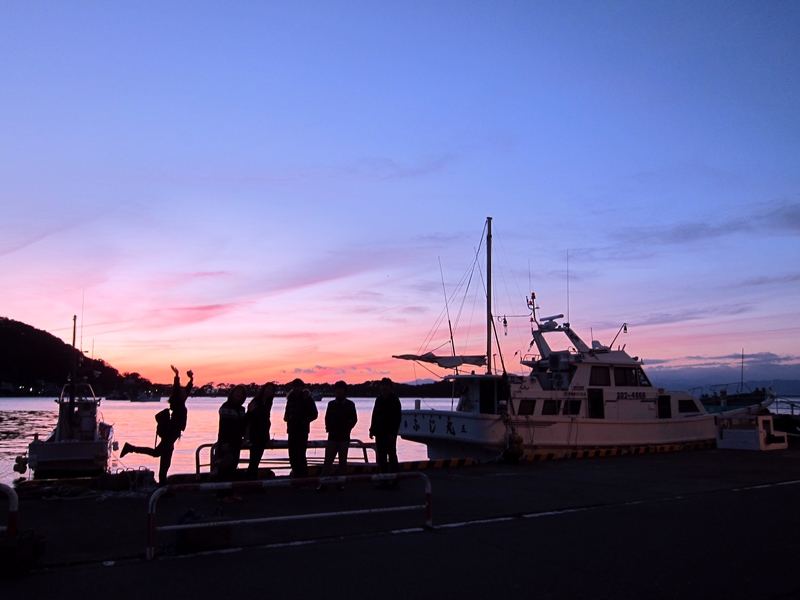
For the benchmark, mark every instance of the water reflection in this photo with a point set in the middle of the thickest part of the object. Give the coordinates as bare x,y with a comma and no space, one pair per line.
17,428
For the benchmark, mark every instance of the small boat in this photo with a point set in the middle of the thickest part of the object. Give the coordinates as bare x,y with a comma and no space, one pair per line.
80,445
146,397
584,397
727,396
117,395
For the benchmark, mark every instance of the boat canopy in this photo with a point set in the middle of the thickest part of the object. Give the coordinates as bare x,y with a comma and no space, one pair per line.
446,362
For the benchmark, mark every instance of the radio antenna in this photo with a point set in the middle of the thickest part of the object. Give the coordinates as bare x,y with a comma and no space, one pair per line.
568,321
447,308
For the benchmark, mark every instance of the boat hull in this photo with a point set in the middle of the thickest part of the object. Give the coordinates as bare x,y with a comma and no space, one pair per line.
482,437
71,458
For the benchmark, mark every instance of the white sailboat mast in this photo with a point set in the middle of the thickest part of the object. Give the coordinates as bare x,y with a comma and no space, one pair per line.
489,295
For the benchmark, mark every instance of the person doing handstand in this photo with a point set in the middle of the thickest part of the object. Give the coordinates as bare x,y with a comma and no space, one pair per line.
168,426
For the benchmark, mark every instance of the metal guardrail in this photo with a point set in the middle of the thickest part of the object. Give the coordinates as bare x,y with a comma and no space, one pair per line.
276,445
153,529
787,405
13,509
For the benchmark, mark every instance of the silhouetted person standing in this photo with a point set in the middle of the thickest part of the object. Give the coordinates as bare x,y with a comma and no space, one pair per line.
300,411
258,423
168,426
384,427
232,421
340,418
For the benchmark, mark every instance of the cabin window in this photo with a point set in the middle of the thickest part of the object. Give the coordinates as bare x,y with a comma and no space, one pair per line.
551,407
600,376
526,407
643,380
626,377
572,407
687,406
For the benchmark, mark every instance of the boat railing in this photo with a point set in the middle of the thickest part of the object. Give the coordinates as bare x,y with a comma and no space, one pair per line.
277,462
13,508
153,529
530,357
787,405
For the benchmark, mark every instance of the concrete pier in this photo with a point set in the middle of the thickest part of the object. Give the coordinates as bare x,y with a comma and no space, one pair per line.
691,524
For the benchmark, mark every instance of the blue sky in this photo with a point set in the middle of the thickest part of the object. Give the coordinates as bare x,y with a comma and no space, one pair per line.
259,189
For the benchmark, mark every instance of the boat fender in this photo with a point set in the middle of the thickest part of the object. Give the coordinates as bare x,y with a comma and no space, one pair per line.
21,464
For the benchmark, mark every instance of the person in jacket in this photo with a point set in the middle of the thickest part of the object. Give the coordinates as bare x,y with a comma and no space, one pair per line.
258,426
232,422
300,411
169,426
384,427
340,418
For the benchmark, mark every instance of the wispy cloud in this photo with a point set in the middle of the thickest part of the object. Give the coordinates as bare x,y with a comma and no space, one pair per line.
14,244
684,316
775,279
638,242
756,358
752,361
765,218
782,215
187,315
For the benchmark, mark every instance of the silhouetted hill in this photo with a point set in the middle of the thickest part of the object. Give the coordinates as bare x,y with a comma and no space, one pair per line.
34,362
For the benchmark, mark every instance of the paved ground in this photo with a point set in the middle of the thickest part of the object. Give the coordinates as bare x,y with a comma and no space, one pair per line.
700,524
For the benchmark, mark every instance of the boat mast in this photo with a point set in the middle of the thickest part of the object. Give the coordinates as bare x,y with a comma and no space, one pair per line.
72,376
741,377
489,295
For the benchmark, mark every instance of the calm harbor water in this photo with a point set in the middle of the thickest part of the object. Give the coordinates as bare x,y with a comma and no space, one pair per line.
134,423
21,418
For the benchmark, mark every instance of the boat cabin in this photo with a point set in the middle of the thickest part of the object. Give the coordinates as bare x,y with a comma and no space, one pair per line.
589,382
77,414
482,394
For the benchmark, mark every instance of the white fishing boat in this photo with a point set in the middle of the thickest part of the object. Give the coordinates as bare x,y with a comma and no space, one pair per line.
723,397
726,396
585,397
80,445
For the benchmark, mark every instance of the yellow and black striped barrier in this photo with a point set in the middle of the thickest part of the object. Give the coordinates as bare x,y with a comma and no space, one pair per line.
442,463
616,451
413,465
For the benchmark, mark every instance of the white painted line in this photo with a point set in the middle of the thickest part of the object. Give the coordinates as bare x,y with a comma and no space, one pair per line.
551,513
476,522
766,486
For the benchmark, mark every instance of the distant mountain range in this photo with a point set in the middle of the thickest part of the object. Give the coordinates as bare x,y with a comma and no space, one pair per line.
691,380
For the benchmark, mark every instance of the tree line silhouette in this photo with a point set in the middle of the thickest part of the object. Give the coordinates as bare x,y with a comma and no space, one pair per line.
36,363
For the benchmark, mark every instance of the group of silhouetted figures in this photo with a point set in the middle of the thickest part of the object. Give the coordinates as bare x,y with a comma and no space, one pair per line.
237,424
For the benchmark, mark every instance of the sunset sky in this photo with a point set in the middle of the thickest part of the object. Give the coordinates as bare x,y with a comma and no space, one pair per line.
260,190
